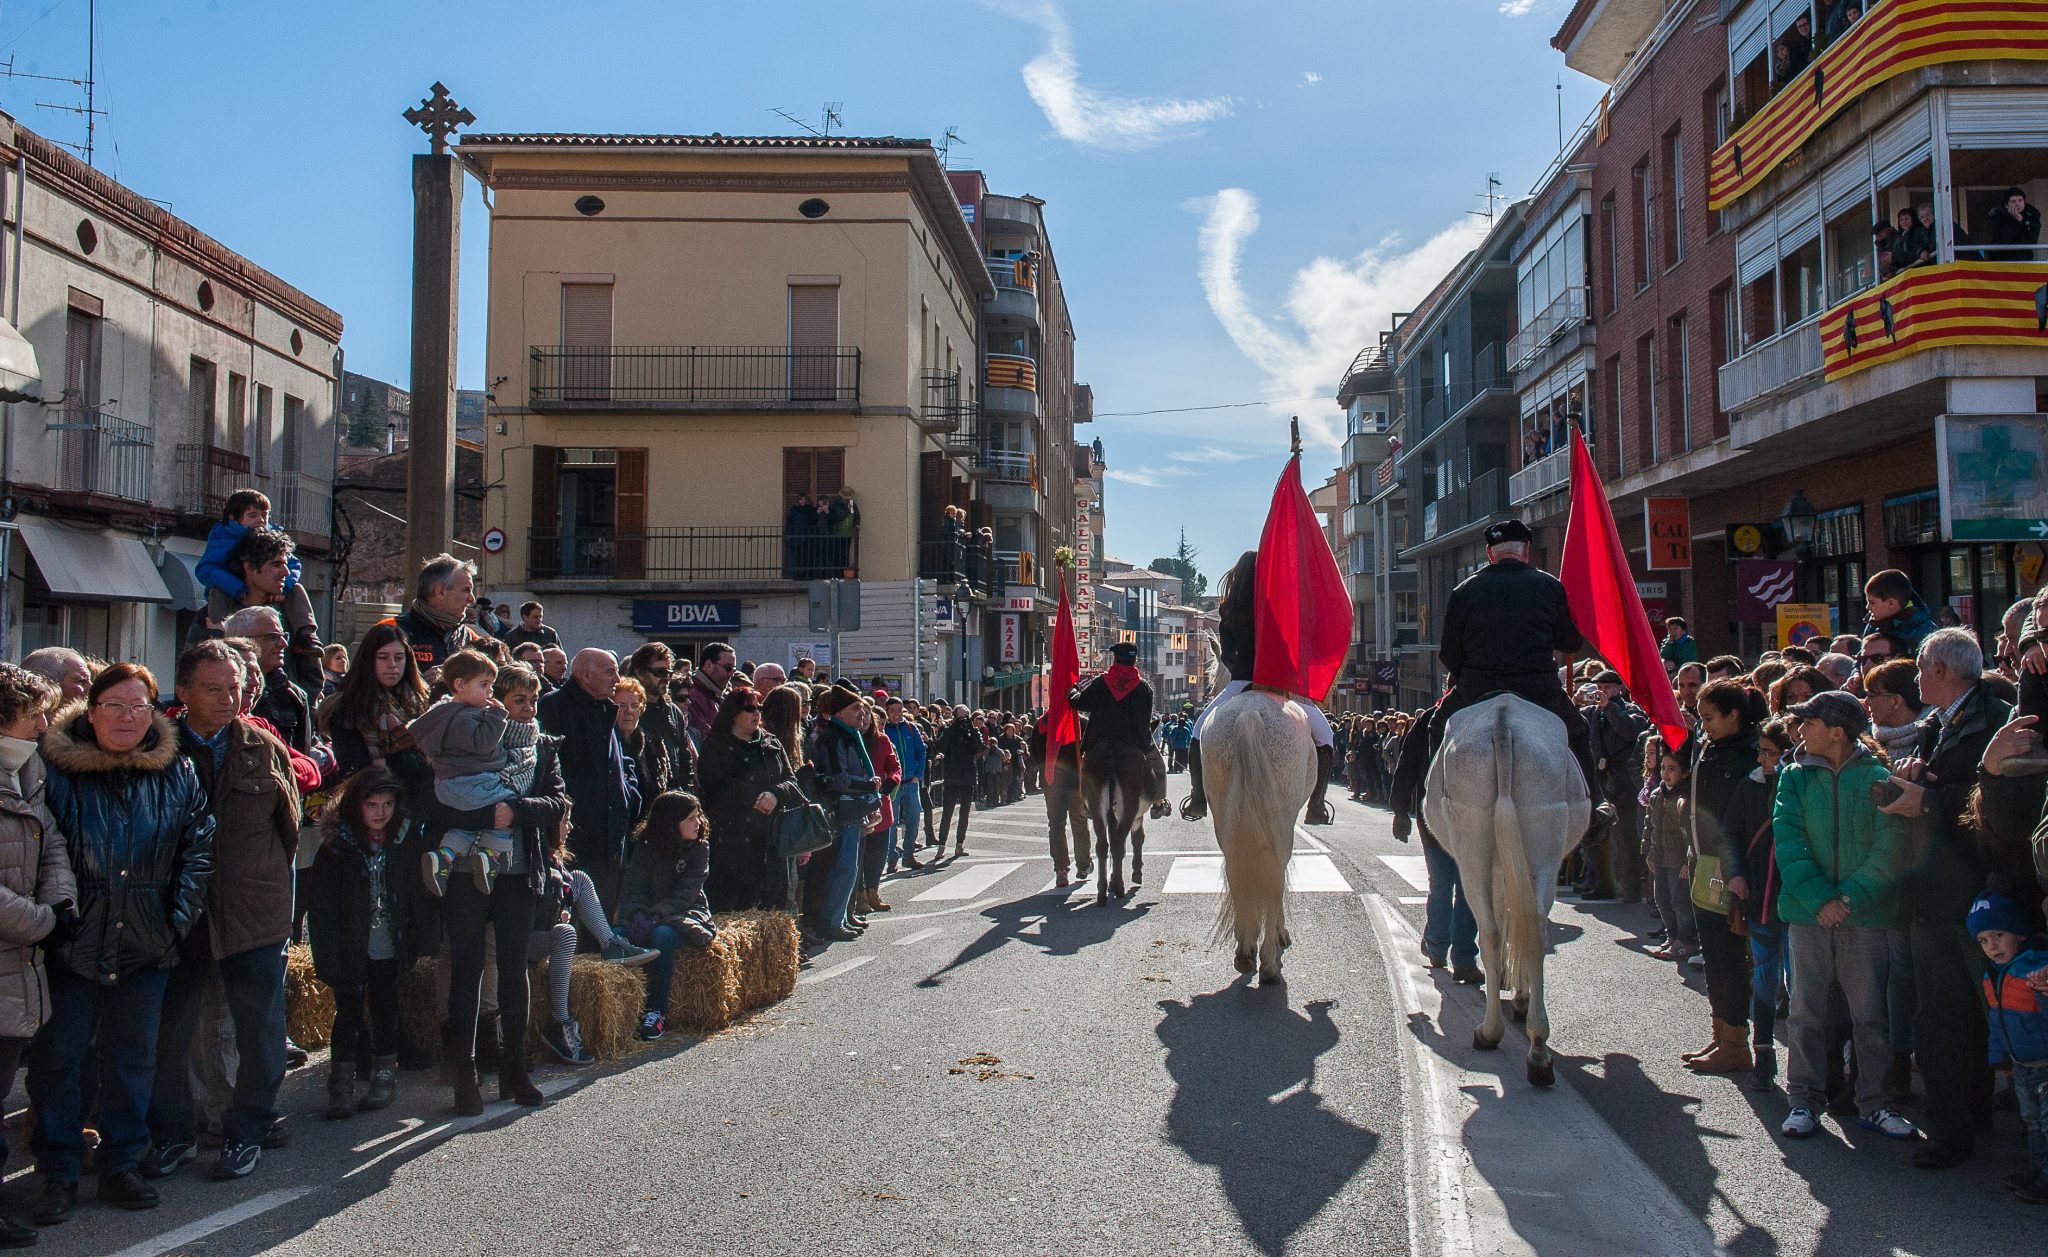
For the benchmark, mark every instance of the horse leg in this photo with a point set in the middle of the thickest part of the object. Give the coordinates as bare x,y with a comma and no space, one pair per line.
1112,801
1270,945
1138,853
1101,835
1542,1066
1492,956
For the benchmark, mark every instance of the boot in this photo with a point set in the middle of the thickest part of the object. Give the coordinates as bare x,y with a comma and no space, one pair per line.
490,1046
1730,1053
341,1090
1319,812
1764,1077
469,1100
1196,805
1702,1053
383,1084
514,1083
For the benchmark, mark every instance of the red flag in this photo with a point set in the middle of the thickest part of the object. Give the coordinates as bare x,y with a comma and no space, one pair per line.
1604,601
1303,626
1061,726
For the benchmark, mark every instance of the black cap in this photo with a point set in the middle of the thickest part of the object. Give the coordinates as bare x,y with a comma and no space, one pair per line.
1835,708
1508,530
1124,652
1609,677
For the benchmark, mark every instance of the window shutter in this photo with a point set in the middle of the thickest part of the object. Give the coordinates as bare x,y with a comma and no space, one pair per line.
629,512
813,342
1846,184
547,494
828,471
796,475
1997,118
1901,144
586,341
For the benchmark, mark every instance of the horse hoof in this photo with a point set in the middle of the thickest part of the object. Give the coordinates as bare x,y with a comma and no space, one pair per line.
1286,940
1542,1075
1116,890
1482,1043
1272,978
1521,1014
1245,962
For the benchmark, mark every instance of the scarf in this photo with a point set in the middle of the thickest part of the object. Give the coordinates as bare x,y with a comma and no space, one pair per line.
445,623
1121,678
14,753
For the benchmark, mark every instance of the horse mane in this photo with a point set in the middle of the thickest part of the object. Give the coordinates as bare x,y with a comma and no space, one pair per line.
1219,676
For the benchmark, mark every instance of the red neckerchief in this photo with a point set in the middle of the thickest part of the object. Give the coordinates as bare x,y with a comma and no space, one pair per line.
1121,678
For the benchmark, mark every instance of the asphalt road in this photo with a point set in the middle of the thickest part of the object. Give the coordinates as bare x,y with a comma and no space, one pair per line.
999,1069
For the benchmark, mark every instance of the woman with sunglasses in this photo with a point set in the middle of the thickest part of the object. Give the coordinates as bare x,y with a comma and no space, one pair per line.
744,778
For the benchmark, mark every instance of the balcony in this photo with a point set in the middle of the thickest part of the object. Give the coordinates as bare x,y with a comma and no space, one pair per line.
953,562
1933,307
690,554
304,506
1540,477
1015,568
207,474
101,456
1464,506
1016,281
1007,466
1894,38
1785,361
1565,312
945,408
694,377
1012,371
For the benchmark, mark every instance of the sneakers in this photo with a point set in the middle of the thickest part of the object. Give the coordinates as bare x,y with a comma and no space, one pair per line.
237,1159
164,1160
484,867
1799,1124
1890,1124
621,952
652,1026
565,1040
435,866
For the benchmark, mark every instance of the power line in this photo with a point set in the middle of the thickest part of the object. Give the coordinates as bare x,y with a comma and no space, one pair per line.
1183,410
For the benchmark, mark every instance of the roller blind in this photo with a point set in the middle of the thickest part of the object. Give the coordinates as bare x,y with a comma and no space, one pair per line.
813,336
1901,144
1756,251
1846,183
1998,118
586,341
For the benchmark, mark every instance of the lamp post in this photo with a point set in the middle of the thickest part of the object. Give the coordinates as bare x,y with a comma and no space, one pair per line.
1797,522
963,595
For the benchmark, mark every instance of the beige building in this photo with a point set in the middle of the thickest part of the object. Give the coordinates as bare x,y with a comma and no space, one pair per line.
690,335
158,371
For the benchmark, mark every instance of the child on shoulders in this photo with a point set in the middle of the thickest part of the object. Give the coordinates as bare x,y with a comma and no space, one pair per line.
248,510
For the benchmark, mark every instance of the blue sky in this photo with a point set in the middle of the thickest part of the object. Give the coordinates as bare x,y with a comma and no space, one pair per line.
1239,191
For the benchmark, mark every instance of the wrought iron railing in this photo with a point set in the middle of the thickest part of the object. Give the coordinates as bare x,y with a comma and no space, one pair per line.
736,553
950,562
1020,273
207,474
303,504
694,375
1007,466
98,453
946,408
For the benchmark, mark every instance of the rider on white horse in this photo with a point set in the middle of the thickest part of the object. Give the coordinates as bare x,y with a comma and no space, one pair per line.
1235,633
1499,631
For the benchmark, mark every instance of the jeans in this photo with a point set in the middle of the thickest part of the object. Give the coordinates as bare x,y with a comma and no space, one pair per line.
507,915
665,941
123,1018
1766,980
909,812
1448,922
1855,959
1674,907
253,982
2030,1088
835,895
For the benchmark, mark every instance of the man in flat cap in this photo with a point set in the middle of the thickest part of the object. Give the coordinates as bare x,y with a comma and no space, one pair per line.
1118,703
1500,633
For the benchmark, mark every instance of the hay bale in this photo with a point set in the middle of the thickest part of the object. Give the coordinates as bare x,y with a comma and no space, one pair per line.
605,998
308,1004
782,954
708,990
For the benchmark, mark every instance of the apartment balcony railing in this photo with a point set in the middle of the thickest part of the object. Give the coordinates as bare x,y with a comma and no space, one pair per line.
718,553
102,455
1566,310
1540,477
1950,305
698,376
945,408
303,504
1464,505
950,562
1007,466
1789,358
1015,567
207,474
1019,273
1012,371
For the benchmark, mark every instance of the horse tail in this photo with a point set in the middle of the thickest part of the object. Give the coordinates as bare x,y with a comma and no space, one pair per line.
1514,883
1254,868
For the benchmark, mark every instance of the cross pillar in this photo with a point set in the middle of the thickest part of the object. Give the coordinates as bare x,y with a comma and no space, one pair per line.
437,217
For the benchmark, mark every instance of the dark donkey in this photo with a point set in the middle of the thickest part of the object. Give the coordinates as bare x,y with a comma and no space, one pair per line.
1122,782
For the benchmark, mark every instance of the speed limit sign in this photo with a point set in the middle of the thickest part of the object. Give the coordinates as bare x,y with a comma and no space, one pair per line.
494,541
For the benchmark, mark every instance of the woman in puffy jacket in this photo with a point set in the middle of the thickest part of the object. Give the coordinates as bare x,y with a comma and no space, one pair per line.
139,832
1730,806
744,777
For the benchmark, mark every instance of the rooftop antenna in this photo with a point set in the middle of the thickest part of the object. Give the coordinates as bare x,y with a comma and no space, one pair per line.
946,146
793,120
90,112
1491,196
832,118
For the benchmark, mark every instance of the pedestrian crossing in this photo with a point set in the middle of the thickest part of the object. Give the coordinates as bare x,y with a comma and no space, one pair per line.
1309,872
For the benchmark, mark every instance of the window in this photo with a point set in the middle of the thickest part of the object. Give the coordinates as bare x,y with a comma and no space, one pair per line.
199,402
238,415
1610,228
1611,390
80,454
1681,380
813,341
1646,395
818,471
1799,280
259,454
586,341
1646,215
1717,112
294,433
1674,198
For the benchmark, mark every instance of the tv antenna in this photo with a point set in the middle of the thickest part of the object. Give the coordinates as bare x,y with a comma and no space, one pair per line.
1492,196
88,110
946,146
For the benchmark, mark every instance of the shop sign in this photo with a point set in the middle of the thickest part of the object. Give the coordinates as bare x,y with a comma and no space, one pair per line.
1747,541
1020,598
1012,638
686,615
1760,586
1994,476
1667,531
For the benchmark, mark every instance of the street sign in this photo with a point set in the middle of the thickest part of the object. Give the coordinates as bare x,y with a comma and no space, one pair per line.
1667,533
1801,622
825,595
1761,585
1012,638
1747,541
1994,476
686,615
494,540
1020,598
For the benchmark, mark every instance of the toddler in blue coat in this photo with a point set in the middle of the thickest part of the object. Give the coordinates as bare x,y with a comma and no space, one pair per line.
2018,1013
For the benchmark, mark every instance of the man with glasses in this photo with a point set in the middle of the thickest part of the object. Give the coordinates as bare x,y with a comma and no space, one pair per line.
263,561
715,665
653,665
282,702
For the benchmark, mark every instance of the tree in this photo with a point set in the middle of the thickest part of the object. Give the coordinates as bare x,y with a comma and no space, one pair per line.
1182,564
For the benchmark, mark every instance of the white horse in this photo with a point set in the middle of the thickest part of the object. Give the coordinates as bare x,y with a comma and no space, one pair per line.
1507,800
1259,768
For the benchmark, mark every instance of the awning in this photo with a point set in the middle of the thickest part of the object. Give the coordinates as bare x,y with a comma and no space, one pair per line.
181,577
81,566
20,377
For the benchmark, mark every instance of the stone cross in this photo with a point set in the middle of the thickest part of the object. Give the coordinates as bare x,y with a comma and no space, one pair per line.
438,115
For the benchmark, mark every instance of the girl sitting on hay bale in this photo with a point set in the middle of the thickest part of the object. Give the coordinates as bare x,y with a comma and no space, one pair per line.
663,903
568,899
353,920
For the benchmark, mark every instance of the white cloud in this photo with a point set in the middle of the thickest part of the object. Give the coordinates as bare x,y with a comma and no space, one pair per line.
1145,477
1336,305
1209,454
1309,78
1518,8
1098,119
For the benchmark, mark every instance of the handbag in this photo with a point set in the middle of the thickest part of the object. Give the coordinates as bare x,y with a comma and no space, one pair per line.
1709,888
803,829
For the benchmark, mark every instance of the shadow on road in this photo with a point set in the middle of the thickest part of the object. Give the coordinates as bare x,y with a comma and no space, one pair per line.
1063,928
1243,1066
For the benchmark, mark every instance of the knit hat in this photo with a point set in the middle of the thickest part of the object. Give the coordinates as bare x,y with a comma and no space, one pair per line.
837,699
1996,912
1835,708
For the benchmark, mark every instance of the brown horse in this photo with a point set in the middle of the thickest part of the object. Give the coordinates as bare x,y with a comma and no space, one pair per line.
1121,784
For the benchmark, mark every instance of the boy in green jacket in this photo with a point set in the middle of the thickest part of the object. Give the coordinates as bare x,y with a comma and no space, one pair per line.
1838,869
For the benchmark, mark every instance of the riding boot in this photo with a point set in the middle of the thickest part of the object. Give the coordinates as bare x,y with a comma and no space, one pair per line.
469,1098
341,1090
1730,1053
1196,805
515,1084
1319,812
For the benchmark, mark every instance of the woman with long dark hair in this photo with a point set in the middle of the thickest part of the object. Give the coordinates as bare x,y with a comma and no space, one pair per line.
744,778
1236,631
365,718
1730,808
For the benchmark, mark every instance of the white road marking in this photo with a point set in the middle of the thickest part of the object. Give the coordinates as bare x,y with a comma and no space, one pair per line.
1413,901
920,936
833,971
233,1215
968,883
1194,875
1057,891
1315,873
551,1087
1413,869
1309,838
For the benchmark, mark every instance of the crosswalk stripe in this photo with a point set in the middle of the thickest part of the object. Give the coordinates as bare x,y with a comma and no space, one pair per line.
968,883
1315,873
1413,869
1312,873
